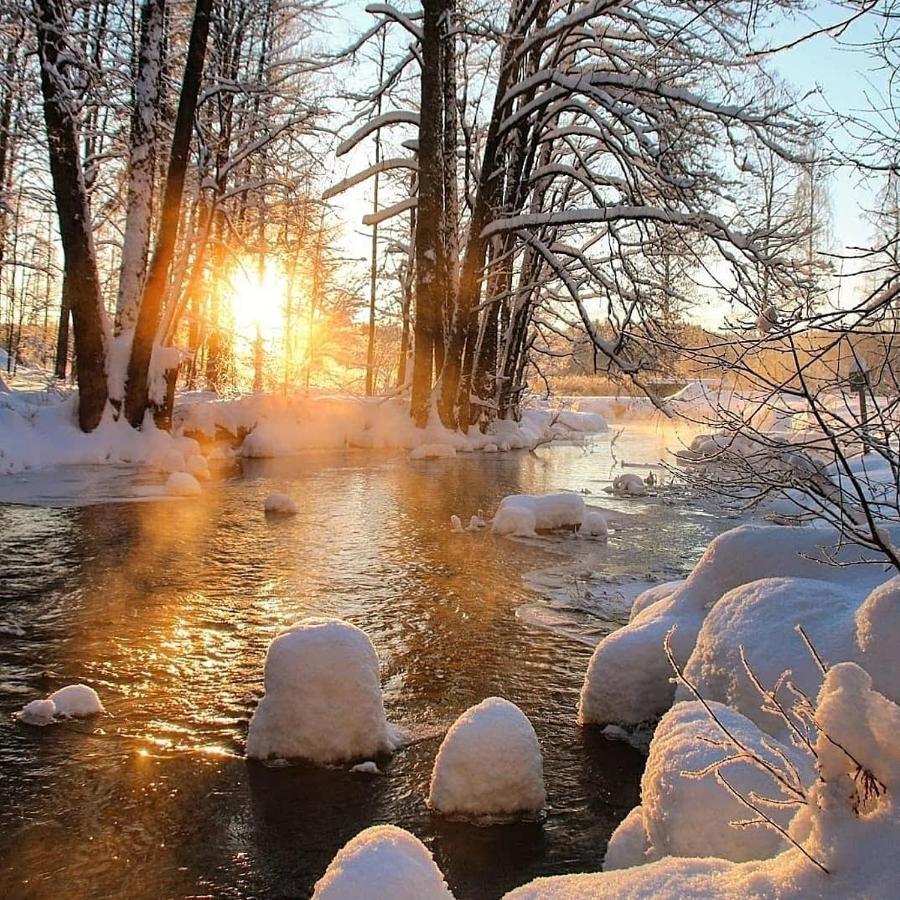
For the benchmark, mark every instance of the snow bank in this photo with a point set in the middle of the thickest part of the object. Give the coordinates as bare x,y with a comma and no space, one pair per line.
74,701
383,863
280,505
489,764
628,678
762,617
550,511
686,814
322,697
850,825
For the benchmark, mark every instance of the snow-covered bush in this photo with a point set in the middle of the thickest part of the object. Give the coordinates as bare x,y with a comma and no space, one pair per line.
846,834
280,505
322,697
629,677
685,810
489,764
383,863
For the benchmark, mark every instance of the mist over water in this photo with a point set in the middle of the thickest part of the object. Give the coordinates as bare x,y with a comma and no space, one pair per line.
167,608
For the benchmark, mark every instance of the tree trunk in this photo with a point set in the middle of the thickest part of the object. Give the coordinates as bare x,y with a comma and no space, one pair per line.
137,386
430,256
82,282
142,162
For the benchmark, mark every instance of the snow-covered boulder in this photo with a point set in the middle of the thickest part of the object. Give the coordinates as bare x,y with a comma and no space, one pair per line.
433,451
38,712
280,505
629,485
594,524
197,466
182,484
654,595
762,618
629,677
322,697
550,511
489,764
383,863
683,813
169,460
848,829
76,701
514,520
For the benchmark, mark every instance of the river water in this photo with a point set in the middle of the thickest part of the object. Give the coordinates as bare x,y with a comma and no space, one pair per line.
166,608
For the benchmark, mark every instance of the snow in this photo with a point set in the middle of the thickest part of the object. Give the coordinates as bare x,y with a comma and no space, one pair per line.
76,701
550,511
38,712
280,505
197,466
518,521
686,814
852,834
489,764
383,863
322,700
182,484
456,524
366,768
594,524
628,678
629,485
433,451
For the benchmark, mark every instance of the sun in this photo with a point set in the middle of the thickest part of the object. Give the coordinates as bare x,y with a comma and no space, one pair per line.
257,296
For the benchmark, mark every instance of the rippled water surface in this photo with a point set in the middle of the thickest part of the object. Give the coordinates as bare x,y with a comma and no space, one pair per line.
166,608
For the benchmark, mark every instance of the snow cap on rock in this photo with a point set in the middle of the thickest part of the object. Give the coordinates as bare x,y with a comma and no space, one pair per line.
489,764
76,701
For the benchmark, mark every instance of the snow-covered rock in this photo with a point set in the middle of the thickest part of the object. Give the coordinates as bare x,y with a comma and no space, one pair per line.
182,484
280,505
170,461
594,524
629,485
456,524
550,511
38,712
489,764
518,521
197,466
683,813
849,825
628,678
433,451
76,701
322,697
383,863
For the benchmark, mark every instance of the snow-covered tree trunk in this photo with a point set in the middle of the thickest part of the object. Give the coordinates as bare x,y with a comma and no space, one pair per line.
141,168
145,335
82,282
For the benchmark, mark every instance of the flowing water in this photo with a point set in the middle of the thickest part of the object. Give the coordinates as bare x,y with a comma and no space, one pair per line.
166,608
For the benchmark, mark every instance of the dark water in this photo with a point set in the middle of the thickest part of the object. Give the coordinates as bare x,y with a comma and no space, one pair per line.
167,608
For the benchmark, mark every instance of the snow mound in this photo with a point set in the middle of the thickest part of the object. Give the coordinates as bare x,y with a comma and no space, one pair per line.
38,712
550,511
489,764
594,524
629,485
322,698
197,466
682,814
514,520
850,823
433,451
280,505
182,484
76,701
628,678
170,461
383,863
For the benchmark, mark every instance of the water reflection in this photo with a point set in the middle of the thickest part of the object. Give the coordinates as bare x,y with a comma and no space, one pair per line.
167,609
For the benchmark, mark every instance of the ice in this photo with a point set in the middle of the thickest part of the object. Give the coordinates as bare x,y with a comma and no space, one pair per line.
489,764
383,863
322,698
182,484
280,505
